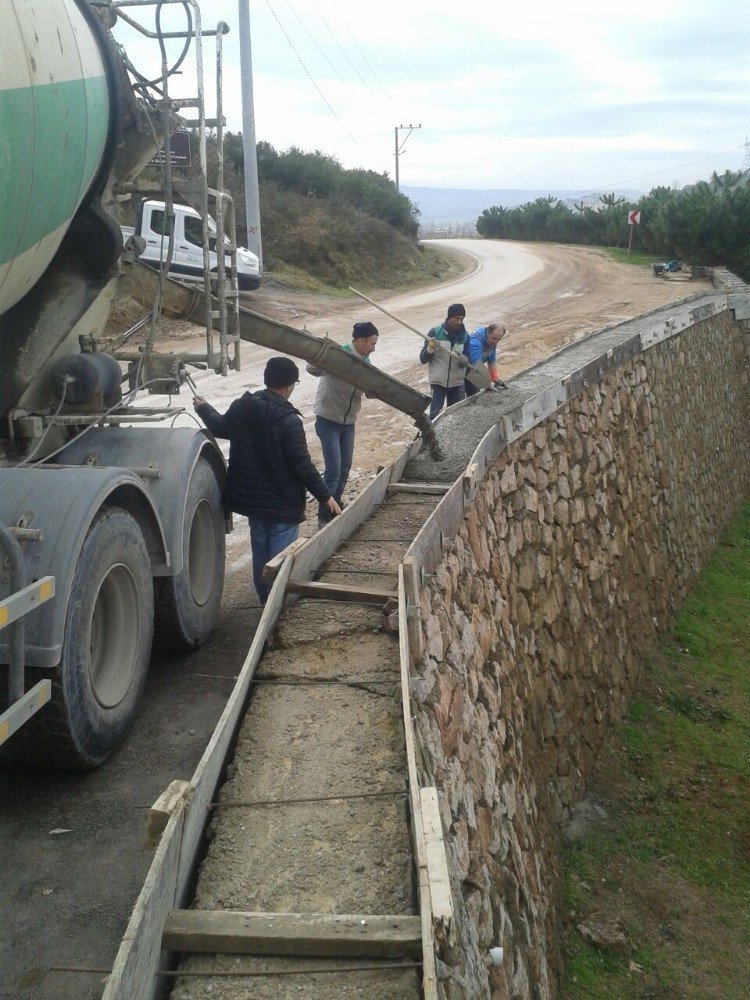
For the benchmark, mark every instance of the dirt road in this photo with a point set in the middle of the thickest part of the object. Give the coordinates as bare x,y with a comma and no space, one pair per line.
71,849
547,295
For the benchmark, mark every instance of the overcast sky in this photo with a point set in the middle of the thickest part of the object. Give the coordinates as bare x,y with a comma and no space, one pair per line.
576,94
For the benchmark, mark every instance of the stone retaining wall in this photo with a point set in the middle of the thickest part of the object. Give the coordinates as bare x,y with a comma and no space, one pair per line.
581,543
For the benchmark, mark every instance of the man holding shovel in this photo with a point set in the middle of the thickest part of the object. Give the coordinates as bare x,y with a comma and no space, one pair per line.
444,351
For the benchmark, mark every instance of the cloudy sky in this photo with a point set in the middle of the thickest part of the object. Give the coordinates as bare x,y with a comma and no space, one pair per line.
577,94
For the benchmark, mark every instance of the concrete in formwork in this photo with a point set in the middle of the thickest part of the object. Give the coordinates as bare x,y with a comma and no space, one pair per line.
539,390
302,740
324,719
388,984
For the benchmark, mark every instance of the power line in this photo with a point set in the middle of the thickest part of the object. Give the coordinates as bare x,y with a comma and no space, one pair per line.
316,43
341,48
338,11
666,170
320,48
312,79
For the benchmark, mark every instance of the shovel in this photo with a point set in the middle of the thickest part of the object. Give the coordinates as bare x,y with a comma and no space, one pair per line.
478,376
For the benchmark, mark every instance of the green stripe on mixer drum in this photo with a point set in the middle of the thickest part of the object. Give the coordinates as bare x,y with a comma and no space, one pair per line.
52,140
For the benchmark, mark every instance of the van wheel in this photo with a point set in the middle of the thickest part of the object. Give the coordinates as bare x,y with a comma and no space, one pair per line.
108,631
187,605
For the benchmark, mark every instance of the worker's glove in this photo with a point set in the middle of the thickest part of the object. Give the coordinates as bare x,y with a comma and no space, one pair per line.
498,385
463,362
431,345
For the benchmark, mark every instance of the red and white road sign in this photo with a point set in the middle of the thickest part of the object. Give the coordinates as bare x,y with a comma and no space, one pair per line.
634,218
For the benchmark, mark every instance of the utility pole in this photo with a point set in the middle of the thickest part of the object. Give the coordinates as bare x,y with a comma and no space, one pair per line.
396,145
249,150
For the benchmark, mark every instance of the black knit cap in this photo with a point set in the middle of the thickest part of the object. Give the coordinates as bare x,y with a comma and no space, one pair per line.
364,330
280,372
455,310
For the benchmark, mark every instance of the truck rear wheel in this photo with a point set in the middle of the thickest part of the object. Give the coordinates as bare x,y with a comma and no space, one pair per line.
106,652
187,605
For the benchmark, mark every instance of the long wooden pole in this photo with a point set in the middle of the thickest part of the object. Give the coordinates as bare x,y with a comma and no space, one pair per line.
477,375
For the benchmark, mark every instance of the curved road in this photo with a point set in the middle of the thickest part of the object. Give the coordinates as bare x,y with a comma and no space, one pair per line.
497,268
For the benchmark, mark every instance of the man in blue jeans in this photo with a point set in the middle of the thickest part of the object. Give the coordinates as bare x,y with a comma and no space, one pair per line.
337,405
270,468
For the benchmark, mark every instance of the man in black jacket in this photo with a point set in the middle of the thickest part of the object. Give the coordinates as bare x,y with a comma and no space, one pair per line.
269,464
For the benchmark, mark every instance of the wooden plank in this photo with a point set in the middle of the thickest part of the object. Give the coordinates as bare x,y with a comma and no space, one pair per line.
337,592
273,566
437,859
294,934
441,526
397,468
486,453
429,966
432,488
140,951
162,809
169,881
324,543
413,613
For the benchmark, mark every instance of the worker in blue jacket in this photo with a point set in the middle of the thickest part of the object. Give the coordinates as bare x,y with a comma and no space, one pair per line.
482,349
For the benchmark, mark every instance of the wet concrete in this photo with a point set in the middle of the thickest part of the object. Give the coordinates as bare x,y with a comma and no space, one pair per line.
325,719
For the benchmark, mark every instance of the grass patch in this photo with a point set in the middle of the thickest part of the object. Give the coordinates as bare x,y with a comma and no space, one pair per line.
639,259
669,863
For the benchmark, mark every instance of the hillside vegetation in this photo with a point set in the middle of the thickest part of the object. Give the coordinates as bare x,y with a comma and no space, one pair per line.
335,226
705,224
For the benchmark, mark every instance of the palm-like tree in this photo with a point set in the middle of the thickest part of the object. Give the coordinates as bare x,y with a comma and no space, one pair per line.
610,200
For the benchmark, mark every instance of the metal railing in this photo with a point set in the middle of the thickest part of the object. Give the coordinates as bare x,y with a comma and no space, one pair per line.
23,598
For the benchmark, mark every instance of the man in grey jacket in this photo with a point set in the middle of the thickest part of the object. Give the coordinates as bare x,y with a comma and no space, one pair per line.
447,366
337,405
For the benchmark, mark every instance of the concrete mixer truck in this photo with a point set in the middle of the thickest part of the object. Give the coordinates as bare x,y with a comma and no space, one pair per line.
111,534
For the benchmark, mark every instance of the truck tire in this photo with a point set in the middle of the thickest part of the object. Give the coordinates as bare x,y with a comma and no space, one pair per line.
108,631
187,605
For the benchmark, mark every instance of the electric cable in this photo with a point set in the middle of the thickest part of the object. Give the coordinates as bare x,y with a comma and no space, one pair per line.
364,57
316,43
312,79
341,48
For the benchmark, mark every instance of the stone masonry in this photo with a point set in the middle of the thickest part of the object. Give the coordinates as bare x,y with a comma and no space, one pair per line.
581,543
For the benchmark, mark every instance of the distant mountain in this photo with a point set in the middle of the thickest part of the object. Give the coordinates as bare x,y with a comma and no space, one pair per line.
462,206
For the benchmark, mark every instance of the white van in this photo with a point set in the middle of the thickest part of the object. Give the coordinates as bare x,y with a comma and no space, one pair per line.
187,253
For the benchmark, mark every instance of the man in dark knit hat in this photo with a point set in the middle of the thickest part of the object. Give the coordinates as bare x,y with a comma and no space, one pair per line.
270,467
446,367
337,405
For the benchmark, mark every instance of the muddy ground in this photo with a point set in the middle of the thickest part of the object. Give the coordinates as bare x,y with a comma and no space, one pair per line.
71,846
